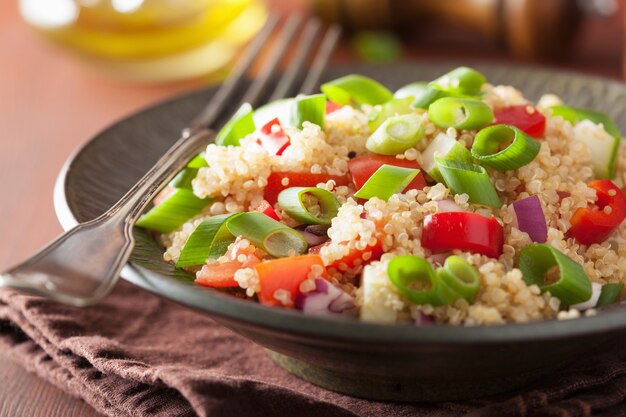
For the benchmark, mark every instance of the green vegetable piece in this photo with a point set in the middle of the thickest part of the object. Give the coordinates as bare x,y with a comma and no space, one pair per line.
186,175
268,234
471,179
610,294
460,113
308,109
422,94
519,148
396,135
237,128
415,279
444,147
292,200
394,107
209,240
462,80
538,260
386,181
173,212
458,279
357,89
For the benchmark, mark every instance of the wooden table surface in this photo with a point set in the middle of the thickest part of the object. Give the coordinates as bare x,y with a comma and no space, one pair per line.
50,103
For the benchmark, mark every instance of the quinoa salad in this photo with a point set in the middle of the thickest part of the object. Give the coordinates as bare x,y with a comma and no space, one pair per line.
453,201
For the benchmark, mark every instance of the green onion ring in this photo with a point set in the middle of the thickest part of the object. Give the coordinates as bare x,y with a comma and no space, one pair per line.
394,107
405,271
308,109
458,279
209,240
521,151
356,88
573,286
610,294
460,113
237,128
396,135
461,80
386,181
465,177
290,200
268,234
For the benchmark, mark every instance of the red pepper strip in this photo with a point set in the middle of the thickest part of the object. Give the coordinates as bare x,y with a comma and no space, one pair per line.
273,139
267,209
284,274
331,106
465,231
532,123
296,179
594,225
363,167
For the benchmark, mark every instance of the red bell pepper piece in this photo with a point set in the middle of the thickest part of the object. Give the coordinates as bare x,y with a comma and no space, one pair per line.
363,167
331,106
273,138
594,225
465,231
267,209
296,179
284,274
532,123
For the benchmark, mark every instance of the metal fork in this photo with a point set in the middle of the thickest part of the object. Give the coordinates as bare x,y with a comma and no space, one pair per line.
81,266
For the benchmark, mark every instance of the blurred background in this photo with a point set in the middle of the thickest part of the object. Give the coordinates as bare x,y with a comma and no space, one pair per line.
68,68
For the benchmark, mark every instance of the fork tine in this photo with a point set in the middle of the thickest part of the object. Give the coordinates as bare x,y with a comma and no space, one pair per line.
215,107
321,60
302,51
285,38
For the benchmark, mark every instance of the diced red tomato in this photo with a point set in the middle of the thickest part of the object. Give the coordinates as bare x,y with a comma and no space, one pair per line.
350,260
465,231
594,225
273,138
284,274
363,167
267,209
532,122
296,179
163,195
222,274
331,106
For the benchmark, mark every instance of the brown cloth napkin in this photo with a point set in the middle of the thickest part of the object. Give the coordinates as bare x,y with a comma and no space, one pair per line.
136,354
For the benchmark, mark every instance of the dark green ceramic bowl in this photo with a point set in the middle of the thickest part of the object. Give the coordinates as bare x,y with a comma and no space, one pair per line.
401,362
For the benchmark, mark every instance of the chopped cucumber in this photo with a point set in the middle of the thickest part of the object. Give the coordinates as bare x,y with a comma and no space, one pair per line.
601,145
277,108
377,291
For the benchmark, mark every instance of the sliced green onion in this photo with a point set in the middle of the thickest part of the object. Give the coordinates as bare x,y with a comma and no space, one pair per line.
396,135
536,261
408,272
460,113
411,90
268,234
293,201
520,148
462,80
358,89
308,109
186,175
394,107
386,181
422,94
237,128
471,179
458,279
603,153
445,147
610,294
209,240
173,212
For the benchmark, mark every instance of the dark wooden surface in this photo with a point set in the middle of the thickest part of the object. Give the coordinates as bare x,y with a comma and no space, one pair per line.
50,103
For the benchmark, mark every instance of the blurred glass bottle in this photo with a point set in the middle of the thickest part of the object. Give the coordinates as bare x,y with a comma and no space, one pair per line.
149,40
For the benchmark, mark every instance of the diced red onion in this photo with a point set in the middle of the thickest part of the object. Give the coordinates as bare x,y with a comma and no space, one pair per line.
325,299
317,229
440,258
424,320
596,290
448,205
312,239
529,218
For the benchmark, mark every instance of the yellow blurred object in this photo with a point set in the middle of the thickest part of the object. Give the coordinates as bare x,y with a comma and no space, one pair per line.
149,40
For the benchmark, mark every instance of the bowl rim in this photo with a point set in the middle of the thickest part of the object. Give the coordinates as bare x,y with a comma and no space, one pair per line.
236,312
